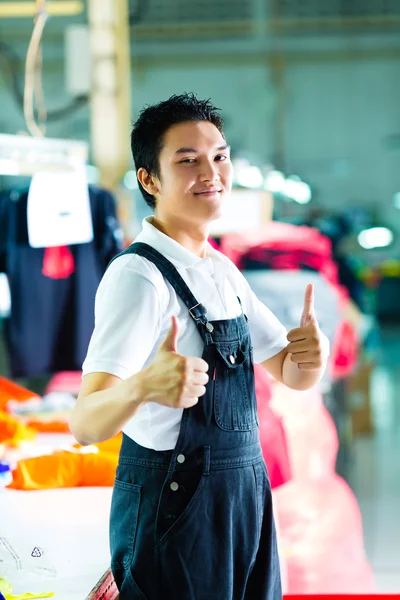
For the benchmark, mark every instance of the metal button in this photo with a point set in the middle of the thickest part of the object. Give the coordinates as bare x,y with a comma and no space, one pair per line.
232,359
174,486
181,458
209,327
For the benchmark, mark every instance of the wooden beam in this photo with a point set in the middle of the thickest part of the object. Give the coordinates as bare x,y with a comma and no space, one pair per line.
67,8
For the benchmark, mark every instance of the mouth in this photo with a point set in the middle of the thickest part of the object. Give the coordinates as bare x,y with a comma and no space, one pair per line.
209,192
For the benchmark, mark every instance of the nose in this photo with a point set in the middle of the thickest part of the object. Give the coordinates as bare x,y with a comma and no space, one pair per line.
209,171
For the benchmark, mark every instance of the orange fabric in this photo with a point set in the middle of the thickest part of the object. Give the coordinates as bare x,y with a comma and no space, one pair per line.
12,391
48,426
64,470
58,470
12,431
99,469
112,445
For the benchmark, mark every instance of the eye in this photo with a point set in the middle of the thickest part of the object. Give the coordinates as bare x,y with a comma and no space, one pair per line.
187,161
221,158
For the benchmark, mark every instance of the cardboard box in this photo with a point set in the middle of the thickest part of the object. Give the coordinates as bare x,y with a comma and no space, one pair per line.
358,392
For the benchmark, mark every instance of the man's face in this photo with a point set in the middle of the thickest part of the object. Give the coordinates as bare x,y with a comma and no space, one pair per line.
195,173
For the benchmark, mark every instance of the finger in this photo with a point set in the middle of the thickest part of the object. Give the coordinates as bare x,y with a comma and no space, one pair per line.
309,301
295,347
307,367
300,357
194,391
200,378
188,402
170,343
297,335
198,364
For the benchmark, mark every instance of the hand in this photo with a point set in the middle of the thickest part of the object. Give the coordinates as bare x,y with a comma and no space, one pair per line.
306,347
171,379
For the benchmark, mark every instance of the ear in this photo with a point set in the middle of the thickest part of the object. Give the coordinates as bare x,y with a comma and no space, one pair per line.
149,182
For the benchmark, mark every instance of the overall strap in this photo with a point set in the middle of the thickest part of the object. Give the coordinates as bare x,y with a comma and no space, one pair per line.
196,310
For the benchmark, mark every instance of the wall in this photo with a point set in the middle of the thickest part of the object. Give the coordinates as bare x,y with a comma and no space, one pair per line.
244,93
323,107
341,119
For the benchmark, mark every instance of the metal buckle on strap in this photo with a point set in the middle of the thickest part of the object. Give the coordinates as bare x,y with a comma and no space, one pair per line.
194,316
202,318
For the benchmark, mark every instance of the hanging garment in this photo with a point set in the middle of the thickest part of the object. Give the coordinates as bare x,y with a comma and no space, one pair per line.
282,246
52,317
196,521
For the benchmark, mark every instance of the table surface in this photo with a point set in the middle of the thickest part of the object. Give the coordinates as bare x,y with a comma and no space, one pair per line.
70,525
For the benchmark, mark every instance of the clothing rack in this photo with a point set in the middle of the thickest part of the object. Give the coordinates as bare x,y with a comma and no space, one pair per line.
25,155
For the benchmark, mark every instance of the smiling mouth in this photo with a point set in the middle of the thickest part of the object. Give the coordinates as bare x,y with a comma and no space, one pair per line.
208,192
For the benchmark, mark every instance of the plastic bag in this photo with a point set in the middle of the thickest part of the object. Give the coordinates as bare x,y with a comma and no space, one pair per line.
310,431
22,563
321,538
6,593
272,433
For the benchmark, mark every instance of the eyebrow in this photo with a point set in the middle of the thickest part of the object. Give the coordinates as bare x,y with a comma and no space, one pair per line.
194,151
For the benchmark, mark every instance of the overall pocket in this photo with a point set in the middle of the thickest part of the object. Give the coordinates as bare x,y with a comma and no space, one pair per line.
123,523
235,405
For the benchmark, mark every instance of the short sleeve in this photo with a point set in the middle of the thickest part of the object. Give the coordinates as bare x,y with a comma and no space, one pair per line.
268,335
127,323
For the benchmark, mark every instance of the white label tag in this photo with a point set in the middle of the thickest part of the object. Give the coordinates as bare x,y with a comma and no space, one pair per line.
58,211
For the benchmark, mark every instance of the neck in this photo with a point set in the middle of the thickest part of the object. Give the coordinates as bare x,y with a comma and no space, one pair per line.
187,235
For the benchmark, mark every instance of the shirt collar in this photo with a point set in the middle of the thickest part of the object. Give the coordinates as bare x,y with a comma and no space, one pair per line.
174,252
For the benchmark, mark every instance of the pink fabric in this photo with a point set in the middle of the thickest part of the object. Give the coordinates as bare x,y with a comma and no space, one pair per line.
320,528
288,246
345,350
58,262
310,431
321,538
65,381
272,433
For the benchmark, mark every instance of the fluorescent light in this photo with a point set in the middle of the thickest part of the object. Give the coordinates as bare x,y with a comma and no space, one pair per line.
249,177
275,182
376,237
297,190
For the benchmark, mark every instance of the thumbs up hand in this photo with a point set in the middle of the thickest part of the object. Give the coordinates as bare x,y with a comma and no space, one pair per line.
171,379
307,343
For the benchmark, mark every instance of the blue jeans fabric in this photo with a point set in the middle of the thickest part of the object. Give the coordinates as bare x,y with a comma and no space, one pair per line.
196,522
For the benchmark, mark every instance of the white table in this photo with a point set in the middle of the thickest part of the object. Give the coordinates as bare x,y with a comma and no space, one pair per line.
71,525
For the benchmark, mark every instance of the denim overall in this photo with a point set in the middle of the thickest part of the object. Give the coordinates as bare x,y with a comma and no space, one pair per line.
196,522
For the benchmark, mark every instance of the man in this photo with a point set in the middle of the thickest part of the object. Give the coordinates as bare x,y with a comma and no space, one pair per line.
170,364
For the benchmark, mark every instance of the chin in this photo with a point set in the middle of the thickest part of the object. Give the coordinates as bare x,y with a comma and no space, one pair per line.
212,213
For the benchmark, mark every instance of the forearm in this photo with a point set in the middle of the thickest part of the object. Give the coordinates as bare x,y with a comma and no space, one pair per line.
102,414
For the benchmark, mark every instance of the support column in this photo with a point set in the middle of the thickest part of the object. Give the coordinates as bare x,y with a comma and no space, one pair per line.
110,89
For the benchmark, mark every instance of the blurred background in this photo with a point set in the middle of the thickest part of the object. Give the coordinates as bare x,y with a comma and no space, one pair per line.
310,94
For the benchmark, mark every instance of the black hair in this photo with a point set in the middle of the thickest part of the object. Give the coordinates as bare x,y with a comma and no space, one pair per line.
154,121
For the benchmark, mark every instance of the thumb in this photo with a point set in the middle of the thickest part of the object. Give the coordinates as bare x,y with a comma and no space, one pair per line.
308,310
170,343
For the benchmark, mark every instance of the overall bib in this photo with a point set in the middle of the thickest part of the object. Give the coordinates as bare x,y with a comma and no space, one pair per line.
196,522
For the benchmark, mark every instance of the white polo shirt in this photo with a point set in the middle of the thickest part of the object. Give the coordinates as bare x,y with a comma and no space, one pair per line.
133,311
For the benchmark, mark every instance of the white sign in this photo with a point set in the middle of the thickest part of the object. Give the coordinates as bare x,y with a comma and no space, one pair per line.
58,209
244,210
